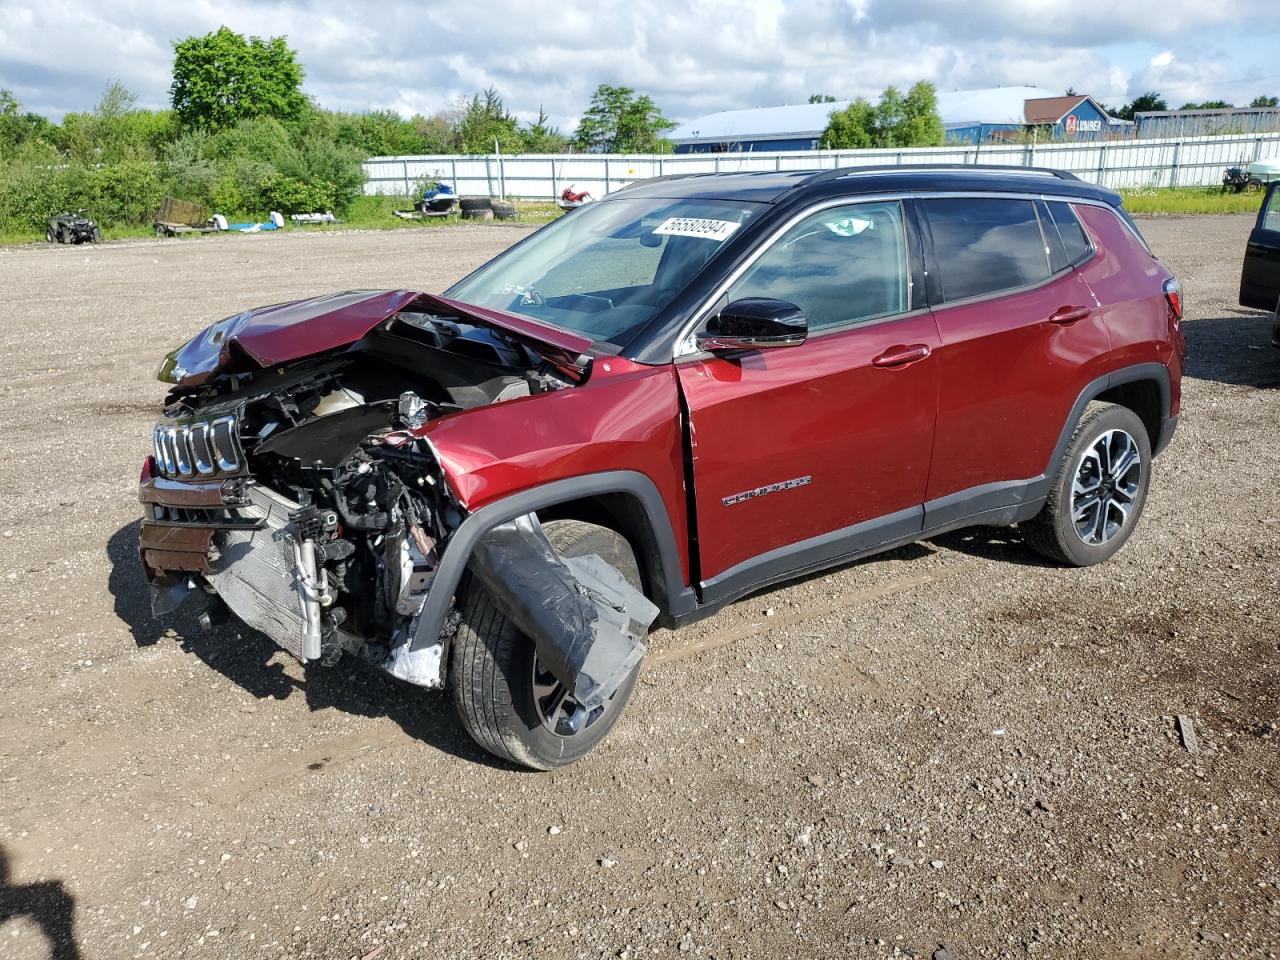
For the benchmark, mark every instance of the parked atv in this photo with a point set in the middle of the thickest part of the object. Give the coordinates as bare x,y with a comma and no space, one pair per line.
72,228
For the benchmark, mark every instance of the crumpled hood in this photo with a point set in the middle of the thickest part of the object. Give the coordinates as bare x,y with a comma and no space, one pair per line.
289,331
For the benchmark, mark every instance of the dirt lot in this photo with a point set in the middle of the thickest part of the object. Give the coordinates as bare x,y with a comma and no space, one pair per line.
954,743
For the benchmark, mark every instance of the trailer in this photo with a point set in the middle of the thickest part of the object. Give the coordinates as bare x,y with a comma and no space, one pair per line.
181,216
1253,178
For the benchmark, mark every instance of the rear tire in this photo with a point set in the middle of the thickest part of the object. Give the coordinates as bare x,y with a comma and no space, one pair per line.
1254,185
1099,492
498,689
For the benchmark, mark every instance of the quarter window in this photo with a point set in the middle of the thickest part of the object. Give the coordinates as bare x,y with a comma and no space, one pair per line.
841,265
1074,240
985,245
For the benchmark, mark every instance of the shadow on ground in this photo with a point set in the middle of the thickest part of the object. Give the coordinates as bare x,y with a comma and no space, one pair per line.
1001,544
47,904
1233,349
255,664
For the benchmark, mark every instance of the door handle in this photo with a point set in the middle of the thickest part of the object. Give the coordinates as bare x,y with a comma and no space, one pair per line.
900,356
1065,315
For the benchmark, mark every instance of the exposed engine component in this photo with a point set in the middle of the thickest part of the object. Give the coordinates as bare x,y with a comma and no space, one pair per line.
333,535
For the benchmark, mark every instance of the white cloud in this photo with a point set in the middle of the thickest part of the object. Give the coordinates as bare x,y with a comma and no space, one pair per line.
698,57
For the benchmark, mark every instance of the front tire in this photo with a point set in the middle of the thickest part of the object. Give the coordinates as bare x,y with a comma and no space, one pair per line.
508,704
1099,492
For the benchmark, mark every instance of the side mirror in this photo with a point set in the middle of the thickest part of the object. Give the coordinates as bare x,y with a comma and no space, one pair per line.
753,324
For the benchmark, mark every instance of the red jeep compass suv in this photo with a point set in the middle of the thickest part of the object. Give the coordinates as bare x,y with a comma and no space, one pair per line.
661,402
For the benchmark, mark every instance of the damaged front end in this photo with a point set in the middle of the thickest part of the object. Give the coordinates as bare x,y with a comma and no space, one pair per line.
293,481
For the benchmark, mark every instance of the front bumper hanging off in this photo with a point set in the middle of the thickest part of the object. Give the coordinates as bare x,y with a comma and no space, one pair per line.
244,545
587,622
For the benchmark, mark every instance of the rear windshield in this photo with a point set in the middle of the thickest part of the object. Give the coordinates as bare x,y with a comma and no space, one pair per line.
605,270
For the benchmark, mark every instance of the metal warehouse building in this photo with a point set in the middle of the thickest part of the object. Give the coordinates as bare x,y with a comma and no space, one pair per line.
1208,123
969,116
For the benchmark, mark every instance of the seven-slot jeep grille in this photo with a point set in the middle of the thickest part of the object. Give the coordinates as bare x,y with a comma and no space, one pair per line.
198,448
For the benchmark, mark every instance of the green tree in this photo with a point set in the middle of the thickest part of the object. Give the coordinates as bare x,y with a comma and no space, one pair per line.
821,98
1142,104
18,127
486,120
439,133
913,120
542,137
896,121
380,133
853,128
223,77
619,121
1261,102
1208,105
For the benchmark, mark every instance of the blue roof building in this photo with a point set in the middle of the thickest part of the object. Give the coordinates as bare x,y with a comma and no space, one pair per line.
969,116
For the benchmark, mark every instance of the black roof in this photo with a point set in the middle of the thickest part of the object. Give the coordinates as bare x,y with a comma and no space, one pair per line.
773,186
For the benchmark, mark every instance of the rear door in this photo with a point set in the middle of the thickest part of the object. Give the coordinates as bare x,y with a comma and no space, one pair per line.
1021,336
1260,279
804,454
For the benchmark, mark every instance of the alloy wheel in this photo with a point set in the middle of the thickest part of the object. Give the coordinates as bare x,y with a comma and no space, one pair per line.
1105,487
557,709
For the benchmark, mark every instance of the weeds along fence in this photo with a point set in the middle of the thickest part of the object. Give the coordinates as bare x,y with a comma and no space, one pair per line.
1182,162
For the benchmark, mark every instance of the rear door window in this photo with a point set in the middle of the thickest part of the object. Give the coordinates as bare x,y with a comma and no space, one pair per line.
1074,240
984,245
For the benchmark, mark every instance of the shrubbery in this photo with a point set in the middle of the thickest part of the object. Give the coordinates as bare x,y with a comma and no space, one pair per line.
118,174
39,183
243,140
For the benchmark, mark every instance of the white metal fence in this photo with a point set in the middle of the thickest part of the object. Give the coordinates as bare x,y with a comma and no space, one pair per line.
1191,161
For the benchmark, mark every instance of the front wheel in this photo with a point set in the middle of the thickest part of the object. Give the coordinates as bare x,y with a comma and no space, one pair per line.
1098,494
509,703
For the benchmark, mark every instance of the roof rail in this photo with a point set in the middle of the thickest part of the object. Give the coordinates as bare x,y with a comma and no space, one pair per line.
969,168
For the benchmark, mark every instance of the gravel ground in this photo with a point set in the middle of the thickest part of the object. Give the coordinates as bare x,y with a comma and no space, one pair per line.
953,743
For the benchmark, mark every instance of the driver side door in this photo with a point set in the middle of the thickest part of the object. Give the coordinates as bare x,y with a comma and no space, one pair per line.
804,455
1260,278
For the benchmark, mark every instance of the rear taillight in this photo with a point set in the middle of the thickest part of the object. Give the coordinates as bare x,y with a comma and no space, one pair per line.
1173,297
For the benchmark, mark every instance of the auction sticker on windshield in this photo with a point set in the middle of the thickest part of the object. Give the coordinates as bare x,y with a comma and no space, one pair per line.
718,230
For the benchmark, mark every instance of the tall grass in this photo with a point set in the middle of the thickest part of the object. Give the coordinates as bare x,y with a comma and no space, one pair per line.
1188,200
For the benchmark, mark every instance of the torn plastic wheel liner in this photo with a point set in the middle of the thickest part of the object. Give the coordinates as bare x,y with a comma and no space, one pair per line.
586,621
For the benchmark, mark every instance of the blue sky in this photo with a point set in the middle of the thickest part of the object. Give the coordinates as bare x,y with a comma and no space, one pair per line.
696,57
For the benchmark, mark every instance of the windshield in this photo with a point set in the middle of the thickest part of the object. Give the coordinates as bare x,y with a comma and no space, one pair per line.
607,269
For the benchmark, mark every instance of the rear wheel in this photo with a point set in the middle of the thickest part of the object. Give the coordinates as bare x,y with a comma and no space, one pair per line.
1098,494
49,235
509,703
1254,185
